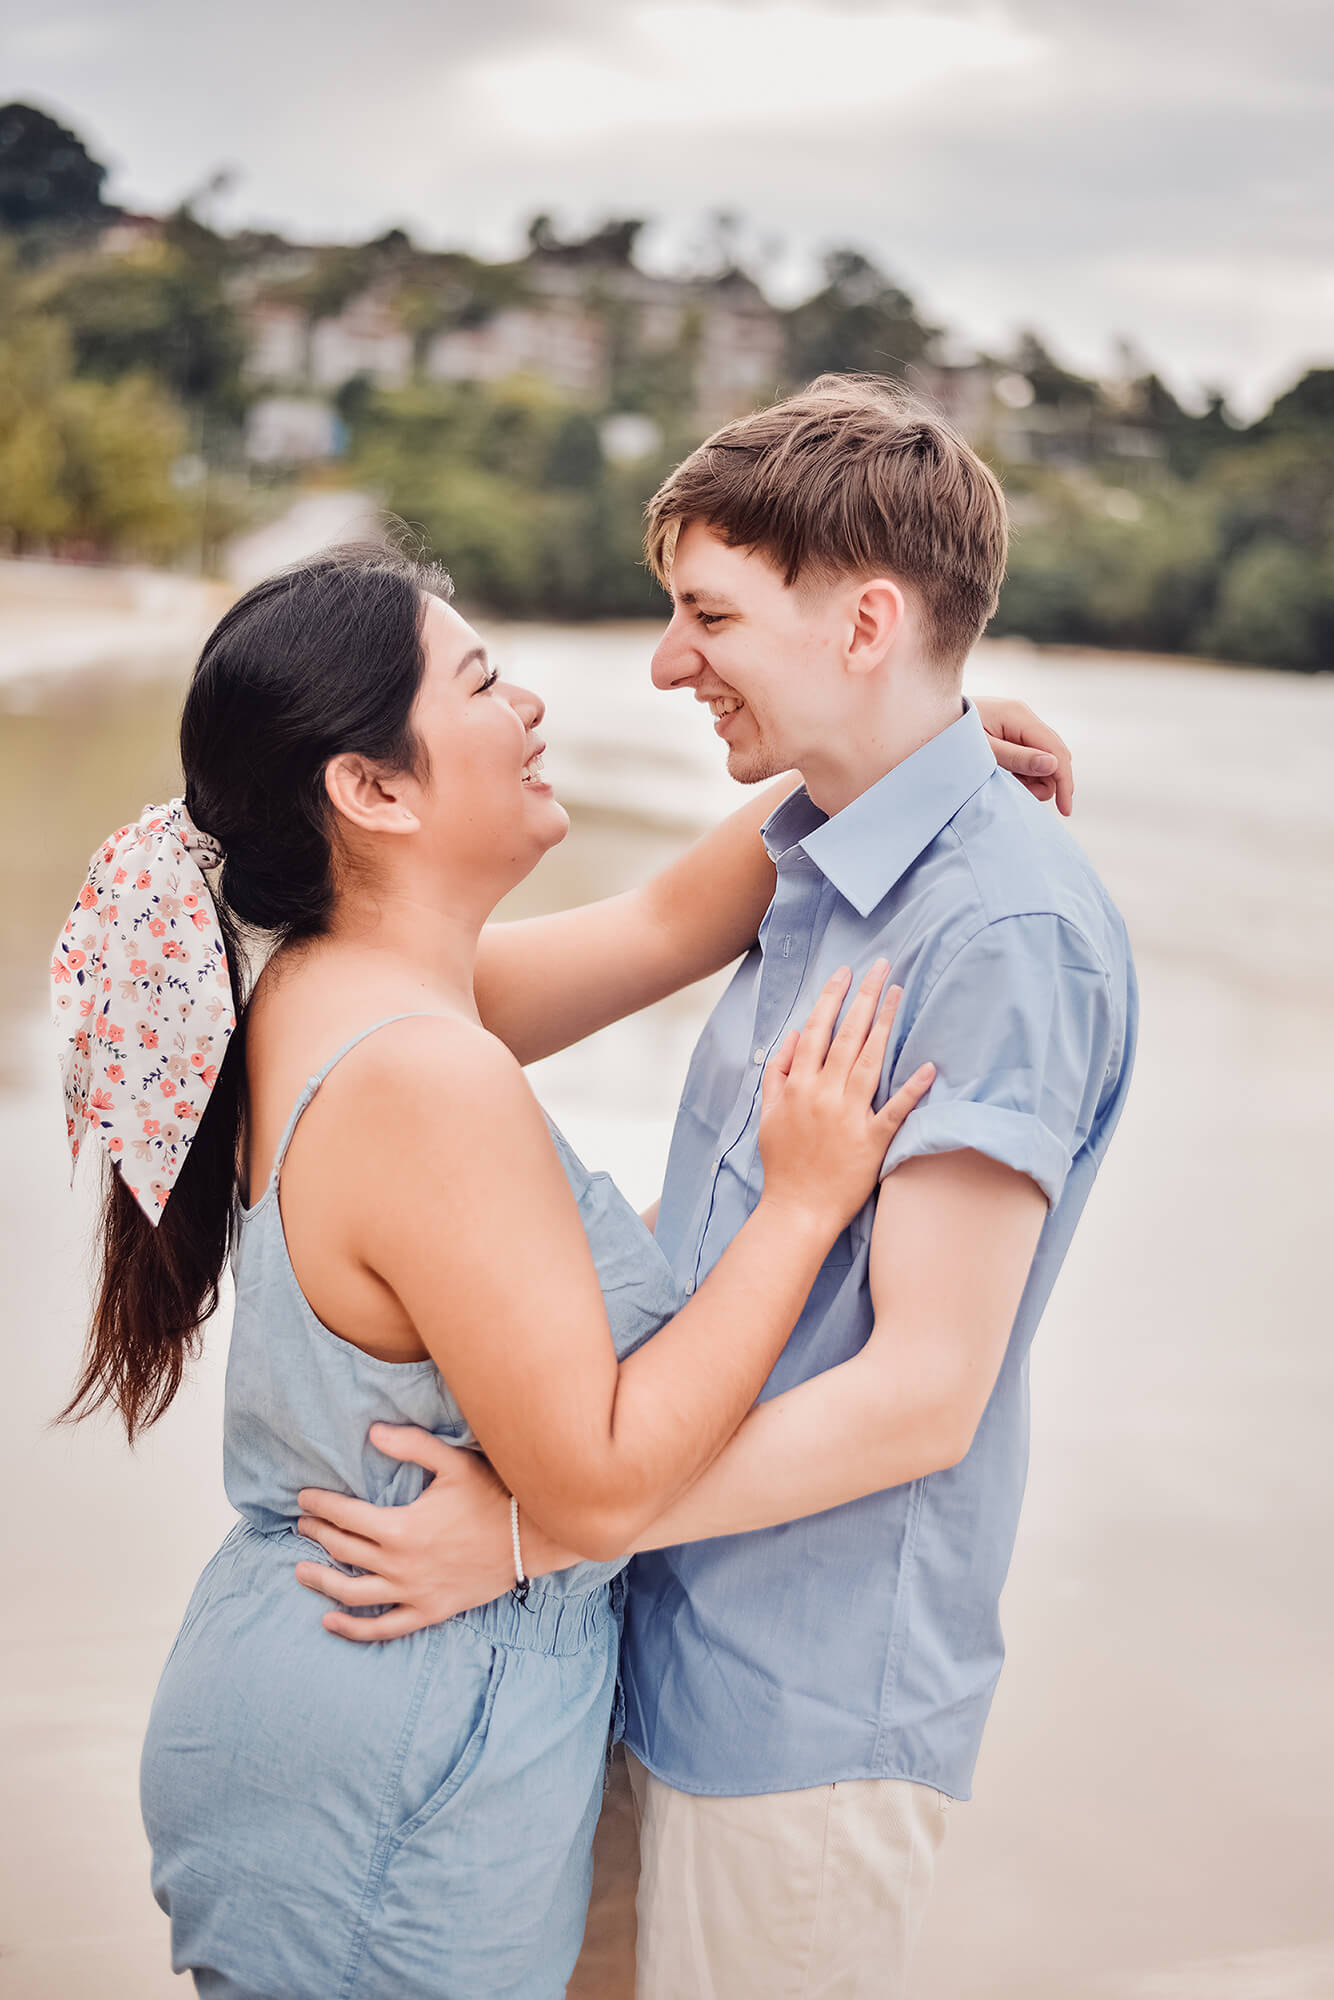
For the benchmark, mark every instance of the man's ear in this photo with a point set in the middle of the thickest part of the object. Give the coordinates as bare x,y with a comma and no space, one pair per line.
877,615
367,796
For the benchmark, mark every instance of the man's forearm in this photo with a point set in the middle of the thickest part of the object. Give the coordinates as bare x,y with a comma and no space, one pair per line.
851,1431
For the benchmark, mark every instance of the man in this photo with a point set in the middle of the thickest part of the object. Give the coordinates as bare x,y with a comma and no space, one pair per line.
803,1701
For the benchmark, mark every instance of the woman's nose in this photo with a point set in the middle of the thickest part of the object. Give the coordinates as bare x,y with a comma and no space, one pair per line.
528,706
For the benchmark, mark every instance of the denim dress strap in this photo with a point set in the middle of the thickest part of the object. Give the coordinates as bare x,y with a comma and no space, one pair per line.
313,1083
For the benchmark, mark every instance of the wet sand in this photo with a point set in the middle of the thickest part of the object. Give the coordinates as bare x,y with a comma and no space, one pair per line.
1153,1818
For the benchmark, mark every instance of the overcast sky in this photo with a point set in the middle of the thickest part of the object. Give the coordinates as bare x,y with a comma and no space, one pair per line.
1160,170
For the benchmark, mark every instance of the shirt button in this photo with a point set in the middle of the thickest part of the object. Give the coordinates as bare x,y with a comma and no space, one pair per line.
758,1056
690,1286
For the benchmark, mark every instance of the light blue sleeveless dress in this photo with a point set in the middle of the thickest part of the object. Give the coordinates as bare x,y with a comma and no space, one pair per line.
415,1818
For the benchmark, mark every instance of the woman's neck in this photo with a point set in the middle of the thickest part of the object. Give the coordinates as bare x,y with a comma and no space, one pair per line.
430,947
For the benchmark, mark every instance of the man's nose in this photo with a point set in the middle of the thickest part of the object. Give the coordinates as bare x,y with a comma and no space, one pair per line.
675,661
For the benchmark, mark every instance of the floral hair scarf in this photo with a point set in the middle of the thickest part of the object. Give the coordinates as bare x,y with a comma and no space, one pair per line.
140,990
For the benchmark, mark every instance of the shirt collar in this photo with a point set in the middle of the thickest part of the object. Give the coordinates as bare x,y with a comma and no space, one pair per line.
864,849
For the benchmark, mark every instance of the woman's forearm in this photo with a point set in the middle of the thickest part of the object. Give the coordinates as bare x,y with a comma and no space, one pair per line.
680,1397
543,983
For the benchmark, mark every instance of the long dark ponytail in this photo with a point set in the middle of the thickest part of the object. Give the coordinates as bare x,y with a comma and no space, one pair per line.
322,659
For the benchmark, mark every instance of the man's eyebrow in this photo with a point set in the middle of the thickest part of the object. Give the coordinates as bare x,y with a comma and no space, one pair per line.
701,598
477,657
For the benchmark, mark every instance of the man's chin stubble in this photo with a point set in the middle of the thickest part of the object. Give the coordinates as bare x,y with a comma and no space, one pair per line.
752,767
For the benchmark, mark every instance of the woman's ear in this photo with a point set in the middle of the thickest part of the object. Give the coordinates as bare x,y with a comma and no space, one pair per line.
877,619
367,796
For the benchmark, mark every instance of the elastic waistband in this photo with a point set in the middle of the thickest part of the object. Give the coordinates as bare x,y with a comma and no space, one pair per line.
548,1622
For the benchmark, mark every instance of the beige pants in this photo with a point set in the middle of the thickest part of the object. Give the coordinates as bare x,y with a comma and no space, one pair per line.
810,1895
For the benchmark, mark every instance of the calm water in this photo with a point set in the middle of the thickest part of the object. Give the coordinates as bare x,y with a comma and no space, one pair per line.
1154,1818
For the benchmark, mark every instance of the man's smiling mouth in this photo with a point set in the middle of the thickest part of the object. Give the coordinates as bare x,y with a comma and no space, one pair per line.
726,704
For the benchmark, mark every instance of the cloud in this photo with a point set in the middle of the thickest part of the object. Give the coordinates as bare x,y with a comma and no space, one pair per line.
705,64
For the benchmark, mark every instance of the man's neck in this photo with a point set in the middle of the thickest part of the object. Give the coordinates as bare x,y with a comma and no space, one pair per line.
899,725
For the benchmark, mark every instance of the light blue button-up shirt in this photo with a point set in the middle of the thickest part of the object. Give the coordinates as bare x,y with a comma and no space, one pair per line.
865,1642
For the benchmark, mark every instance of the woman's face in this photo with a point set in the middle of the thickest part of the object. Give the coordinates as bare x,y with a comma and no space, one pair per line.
484,804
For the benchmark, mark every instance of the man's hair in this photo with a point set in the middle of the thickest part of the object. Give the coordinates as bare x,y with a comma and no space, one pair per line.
853,477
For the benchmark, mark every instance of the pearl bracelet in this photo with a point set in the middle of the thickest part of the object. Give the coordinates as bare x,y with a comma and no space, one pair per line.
520,1580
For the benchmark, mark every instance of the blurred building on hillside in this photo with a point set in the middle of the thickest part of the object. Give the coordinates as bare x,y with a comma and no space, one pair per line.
580,317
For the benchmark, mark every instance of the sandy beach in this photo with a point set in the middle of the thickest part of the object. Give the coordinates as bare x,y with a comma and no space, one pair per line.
1153,1816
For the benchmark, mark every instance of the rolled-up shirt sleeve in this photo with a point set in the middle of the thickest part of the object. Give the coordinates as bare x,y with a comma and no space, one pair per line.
1020,1026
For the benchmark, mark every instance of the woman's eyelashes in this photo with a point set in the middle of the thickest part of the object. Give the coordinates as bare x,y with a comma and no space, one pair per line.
492,676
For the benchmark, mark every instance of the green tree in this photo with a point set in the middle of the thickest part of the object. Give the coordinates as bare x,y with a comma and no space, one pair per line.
81,461
859,320
164,314
1275,608
34,370
1306,410
47,175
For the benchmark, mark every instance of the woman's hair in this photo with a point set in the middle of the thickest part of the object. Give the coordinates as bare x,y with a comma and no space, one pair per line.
325,658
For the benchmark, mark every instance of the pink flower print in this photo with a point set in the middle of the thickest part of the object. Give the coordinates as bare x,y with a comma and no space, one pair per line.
189,900
157,927
200,920
74,1149
116,1072
120,876
85,1006
113,913
115,1032
147,1037
143,881
87,897
197,1060
150,1128
75,960
155,972
171,1135
210,1075
171,949
138,967
102,1100
60,972
81,1042
184,1108
69,1128
115,1145
167,1087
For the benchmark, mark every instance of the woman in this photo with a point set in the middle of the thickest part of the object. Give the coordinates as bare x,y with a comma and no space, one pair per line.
412,1242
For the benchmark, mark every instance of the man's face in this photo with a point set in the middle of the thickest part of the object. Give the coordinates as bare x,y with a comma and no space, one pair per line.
766,658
